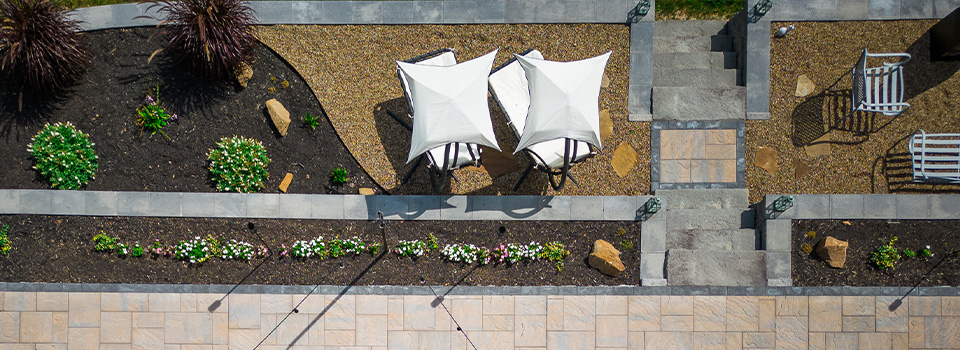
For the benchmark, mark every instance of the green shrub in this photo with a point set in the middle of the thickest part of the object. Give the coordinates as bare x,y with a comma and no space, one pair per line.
806,248
151,116
926,253
104,243
886,255
909,253
626,244
213,36
64,156
555,252
311,121
339,176
239,164
39,48
4,241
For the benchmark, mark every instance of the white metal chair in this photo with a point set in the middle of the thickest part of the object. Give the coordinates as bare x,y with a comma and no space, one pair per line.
879,89
508,85
935,157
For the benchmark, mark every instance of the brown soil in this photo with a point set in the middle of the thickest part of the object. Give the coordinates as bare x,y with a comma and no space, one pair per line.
867,152
864,237
60,249
104,102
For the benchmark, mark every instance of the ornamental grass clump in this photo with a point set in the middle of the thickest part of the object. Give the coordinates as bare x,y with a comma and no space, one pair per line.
213,36
239,164
40,50
64,156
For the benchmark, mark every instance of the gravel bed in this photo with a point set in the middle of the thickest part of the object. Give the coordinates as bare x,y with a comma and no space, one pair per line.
869,154
351,70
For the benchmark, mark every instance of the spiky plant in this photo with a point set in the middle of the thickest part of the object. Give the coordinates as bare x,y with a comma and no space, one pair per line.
212,36
40,50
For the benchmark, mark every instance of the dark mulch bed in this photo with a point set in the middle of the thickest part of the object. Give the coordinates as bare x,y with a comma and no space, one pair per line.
60,249
864,237
104,103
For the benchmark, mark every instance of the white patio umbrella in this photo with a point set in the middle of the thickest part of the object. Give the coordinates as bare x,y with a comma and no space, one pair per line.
450,104
564,98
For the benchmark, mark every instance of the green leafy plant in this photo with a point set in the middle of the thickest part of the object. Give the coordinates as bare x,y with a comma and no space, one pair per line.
39,48
5,245
555,252
317,248
806,248
811,235
151,116
339,176
414,248
122,249
104,243
64,156
137,250
213,36
239,164
886,255
909,253
311,121
926,253
626,244
196,251
432,242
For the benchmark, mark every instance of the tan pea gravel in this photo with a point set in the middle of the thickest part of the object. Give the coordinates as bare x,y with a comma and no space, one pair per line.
868,155
351,70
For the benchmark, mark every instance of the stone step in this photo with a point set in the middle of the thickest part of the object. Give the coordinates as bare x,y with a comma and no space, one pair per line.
694,77
688,28
733,239
713,198
716,268
717,43
699,60
699,103
710,219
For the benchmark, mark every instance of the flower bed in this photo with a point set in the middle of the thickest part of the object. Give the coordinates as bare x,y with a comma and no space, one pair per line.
921,253
223,251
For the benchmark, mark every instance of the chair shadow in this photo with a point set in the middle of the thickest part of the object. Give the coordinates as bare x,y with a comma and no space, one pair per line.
830,110
921,73
896,165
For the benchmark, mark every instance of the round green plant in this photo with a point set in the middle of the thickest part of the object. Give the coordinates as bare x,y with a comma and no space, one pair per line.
239,164
64,156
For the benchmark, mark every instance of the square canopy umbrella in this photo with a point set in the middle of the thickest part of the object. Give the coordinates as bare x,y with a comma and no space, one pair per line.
451,114
563,112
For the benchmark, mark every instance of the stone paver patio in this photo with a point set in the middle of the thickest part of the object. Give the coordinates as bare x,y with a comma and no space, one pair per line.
188,321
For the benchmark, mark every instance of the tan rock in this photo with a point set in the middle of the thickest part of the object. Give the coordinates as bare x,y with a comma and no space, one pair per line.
624,159
767,159
244,73
606,124
287,179
605,258
833,251
805,86
366,191
605,81
801,169
279,115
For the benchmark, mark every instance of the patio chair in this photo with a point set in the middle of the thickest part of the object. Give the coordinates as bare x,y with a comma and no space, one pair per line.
935,157
450,100
554,150
879,89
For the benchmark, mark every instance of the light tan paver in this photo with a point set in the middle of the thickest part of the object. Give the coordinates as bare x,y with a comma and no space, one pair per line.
698,156
368,322
20,301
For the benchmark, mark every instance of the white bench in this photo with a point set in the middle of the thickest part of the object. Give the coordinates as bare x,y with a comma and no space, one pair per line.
935,157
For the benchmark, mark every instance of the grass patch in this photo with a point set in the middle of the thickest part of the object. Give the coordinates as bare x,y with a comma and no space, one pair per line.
698,9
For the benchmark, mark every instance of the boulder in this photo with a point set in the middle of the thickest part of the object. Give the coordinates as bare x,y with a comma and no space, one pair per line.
833,251
244,73
605,258
279,115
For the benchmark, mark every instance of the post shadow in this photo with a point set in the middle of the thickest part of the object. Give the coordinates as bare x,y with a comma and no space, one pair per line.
251,226
896,303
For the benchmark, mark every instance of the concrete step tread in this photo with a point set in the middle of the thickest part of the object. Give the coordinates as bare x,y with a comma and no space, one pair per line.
686,267
704,43
713,240
684,77
710,219
713,198
699,103
688,28
701,60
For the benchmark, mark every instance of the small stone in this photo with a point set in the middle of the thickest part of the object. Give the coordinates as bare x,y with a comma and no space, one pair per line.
801,168
833,251
244,73
624,159
606,258
606,124
605,82
819,147
286,182
767,159
804,86
279,115
366,191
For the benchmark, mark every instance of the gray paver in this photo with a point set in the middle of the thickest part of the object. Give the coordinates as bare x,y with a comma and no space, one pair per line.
519,11
263,205
410,207
133,204
778,265
36,201
10,201
328,207
358,207
942,8
582,11
811,206
879,206
368,12
68,203
199,204
620,208
916,9
486,207
338,12
885,9
296,206
853,9
653,235
913,207
846,206
405,12
945,206
651,265
586,208
164,203
777,236
550,11
101,203
231,205
454,208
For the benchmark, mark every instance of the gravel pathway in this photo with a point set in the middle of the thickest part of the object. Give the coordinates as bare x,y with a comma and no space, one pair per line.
868,155
352,72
